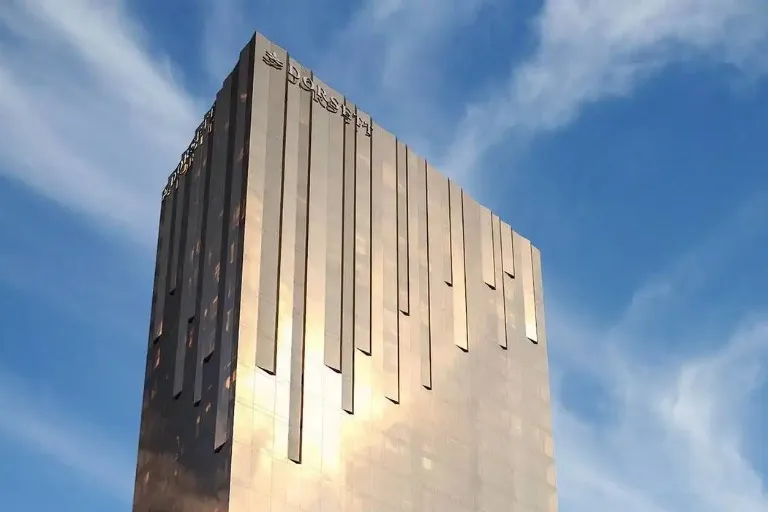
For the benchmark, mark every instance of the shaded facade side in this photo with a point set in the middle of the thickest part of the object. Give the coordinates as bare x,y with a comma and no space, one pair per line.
336,325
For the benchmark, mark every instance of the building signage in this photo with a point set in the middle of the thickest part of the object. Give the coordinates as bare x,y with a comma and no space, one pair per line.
320,95
189,154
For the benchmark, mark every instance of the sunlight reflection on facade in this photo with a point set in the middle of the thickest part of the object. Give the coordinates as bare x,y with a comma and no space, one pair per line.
384,347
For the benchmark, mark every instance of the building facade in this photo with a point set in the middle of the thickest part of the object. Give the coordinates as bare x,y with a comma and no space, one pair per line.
335,325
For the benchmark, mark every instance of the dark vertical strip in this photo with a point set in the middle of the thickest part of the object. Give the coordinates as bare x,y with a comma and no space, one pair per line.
499,302
147,409
213,248
403,281
185,186
190,251
155,279
299,313
271,218
195,342
172,234
212,272
362,292
162,265
223,142
179,231
233,253
348,265
165,362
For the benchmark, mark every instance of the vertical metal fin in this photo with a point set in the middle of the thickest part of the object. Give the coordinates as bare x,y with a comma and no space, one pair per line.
269,152
403,215
460,337
525,273
486,246
348,263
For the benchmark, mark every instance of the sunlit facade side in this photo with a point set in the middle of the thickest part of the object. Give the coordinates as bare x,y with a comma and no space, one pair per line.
336,326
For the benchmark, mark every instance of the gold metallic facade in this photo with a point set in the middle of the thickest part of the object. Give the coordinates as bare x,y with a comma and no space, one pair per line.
335,325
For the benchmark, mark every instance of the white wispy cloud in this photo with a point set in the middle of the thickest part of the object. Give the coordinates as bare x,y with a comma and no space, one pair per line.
385,54
91,119
589,50
393,40
32,417
672,439
673,442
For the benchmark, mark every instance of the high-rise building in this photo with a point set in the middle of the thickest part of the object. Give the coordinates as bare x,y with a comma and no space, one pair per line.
336,326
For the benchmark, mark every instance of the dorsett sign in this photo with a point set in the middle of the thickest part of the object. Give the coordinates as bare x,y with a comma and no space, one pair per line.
319,94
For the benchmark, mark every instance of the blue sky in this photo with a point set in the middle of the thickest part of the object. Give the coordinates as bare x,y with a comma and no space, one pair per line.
626,138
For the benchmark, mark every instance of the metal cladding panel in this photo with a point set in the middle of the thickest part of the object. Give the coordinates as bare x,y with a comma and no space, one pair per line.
498,296
507,249
314,376
384,271
214,419
525,273
435,235
164,356
538,294
444,185
438,265
293,289
180,330
286,269
253,201
351,273
403,281
334,241
175,446
212,246
486,246
264,91
363,207
379,232
475,282
267,146
196,179
179,224
348,265
460,337
198,348
156,275
162,266
439,226
418,257
233,245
